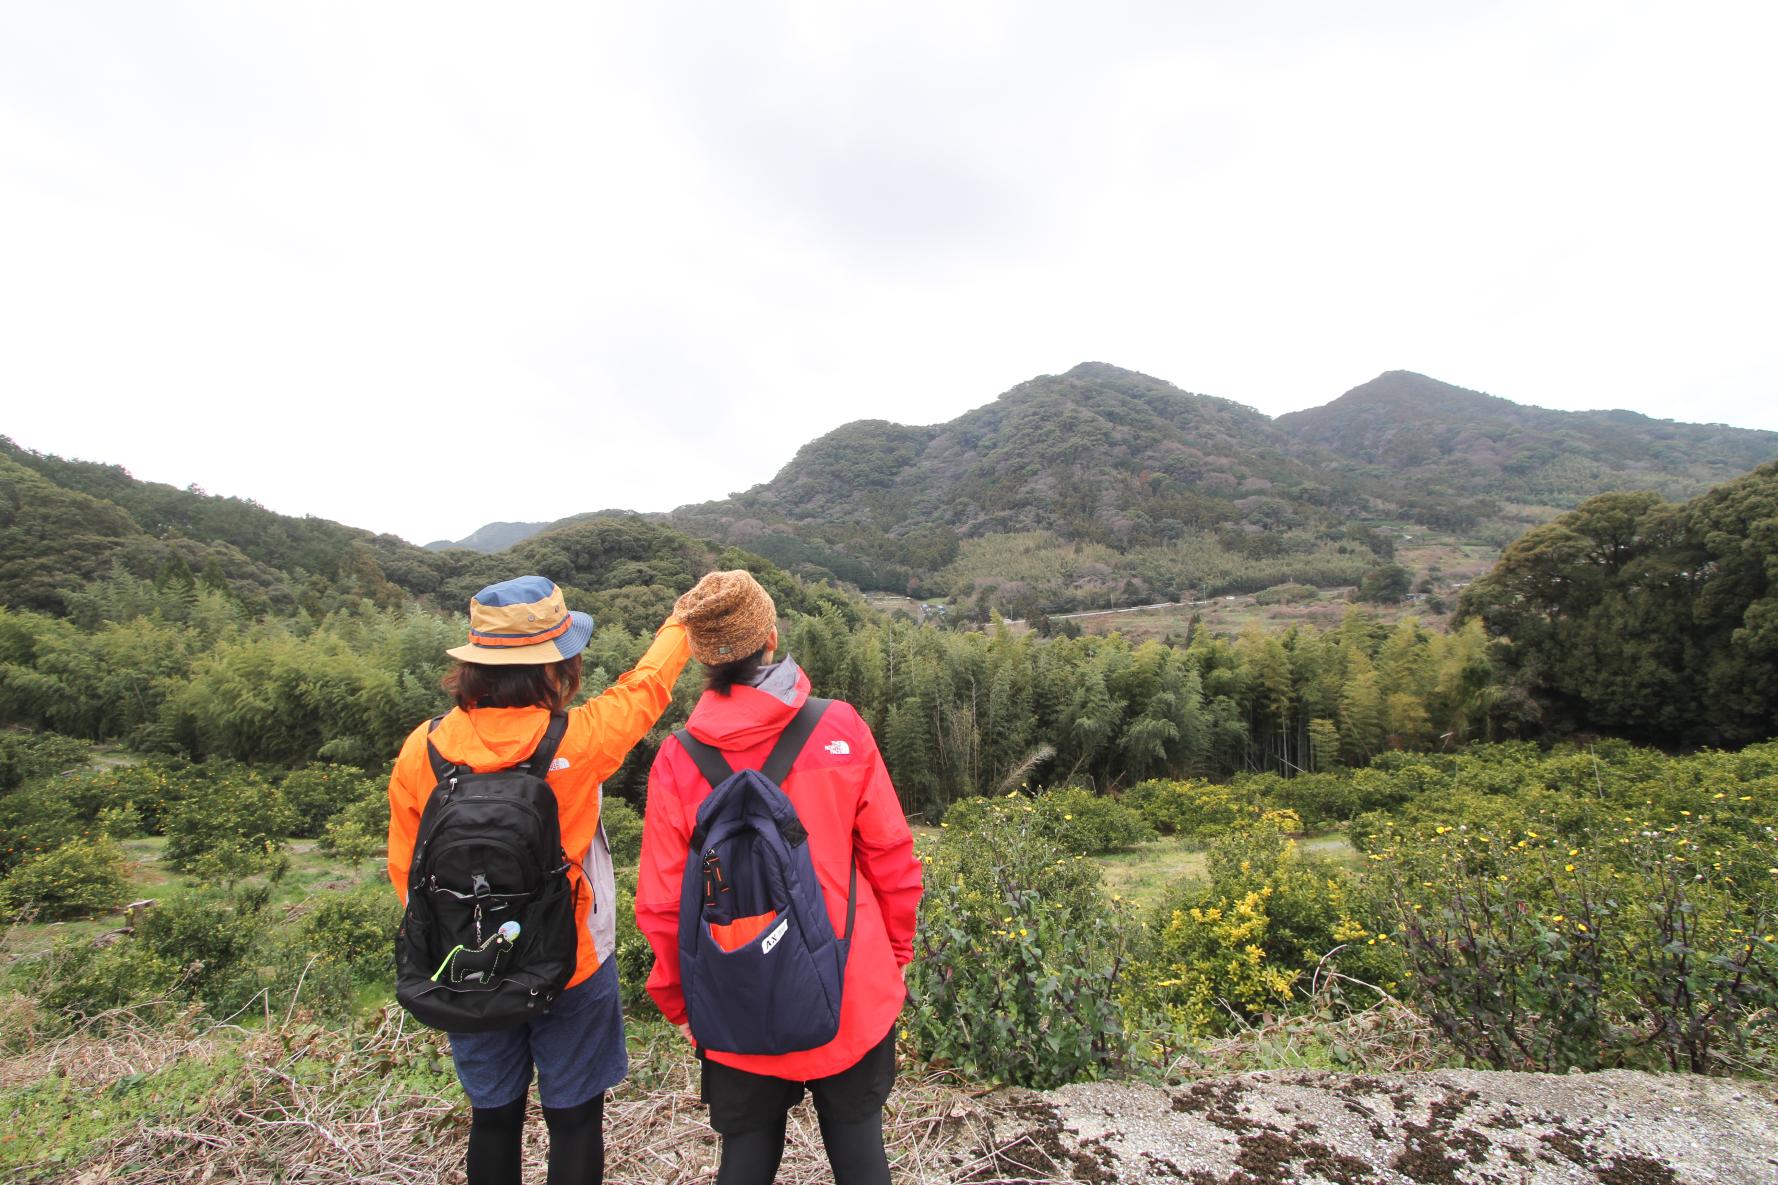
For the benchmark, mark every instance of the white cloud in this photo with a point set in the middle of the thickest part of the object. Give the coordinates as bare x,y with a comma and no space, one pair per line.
324,255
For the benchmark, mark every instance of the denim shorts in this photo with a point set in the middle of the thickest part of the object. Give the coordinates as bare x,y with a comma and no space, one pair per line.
577,1048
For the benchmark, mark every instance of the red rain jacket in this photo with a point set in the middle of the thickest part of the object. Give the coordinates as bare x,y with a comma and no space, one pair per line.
842,793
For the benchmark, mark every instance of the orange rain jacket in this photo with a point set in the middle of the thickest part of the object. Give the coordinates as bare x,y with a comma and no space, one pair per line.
601,732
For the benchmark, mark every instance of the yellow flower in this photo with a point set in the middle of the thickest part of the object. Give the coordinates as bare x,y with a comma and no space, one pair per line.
1568,868
1581,926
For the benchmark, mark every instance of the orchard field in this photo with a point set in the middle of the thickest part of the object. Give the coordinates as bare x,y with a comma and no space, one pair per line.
1507,907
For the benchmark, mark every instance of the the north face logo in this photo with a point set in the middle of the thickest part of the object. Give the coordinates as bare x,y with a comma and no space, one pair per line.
558,763
838,748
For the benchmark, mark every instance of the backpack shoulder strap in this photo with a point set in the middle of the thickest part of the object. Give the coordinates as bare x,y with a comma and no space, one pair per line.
546,748
709,759
796,734
442,770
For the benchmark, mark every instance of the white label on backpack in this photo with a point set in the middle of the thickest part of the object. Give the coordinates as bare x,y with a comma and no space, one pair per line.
765,948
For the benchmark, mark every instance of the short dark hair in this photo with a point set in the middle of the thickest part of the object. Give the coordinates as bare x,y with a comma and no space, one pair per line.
532,685
721,677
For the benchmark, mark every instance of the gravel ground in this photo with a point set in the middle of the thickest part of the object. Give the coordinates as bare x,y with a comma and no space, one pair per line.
1450,1127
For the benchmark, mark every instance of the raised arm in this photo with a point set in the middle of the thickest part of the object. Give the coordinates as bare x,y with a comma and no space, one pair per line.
623,713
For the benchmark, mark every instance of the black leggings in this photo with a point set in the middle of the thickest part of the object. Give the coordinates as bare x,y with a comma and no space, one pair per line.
576,1143
854,1150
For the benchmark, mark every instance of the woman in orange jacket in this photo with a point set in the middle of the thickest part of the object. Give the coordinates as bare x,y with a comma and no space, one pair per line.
845,802
521,663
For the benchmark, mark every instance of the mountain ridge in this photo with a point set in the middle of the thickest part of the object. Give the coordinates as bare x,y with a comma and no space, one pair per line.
1399,429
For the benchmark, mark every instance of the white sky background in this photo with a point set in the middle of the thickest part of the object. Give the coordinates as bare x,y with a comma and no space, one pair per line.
340,257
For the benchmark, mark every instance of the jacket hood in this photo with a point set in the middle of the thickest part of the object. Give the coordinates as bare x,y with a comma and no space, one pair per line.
489,738
751,713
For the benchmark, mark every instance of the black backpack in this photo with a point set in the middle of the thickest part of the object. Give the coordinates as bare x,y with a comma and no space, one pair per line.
489,938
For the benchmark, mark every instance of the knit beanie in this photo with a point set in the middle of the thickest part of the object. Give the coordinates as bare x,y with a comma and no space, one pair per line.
728,616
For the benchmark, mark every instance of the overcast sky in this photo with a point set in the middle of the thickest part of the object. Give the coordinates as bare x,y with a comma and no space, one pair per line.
420,267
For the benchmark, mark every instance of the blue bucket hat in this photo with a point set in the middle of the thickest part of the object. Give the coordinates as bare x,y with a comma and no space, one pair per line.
522,622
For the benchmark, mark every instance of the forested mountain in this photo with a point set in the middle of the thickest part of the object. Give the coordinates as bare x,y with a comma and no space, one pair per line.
1097,457
1402,425
64,524
1104,487
1144,491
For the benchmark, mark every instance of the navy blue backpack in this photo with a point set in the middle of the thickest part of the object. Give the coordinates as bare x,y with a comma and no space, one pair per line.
761,967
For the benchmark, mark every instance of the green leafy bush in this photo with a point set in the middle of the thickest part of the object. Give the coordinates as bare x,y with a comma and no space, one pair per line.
1633,946
232,827
84,876
193,946
358,833
355,931
1191,808
27,755
1018,957
1247,941
1076,819
635,958
623,830
1090,824
319,791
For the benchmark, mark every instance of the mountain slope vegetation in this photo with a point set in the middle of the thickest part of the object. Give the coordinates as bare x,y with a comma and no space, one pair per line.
65,524
1464,443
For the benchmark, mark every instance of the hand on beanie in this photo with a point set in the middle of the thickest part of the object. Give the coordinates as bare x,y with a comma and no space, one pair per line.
728,616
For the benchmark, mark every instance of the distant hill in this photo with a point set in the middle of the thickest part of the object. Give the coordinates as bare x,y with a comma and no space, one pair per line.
66,524
1405,426
1089,489
1137,471
490,538
1098,456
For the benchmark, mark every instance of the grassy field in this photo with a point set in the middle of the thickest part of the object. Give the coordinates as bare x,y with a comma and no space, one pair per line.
1146,872
311,874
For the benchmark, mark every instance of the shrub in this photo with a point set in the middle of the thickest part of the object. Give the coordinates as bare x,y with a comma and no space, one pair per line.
355,931
28,755
1085,823
623,830
81,877
195,945
36,820
1080,822
1321,799
1634,946
1242,944
232,827
635,958
1018,955
1191,808
319,791
358,833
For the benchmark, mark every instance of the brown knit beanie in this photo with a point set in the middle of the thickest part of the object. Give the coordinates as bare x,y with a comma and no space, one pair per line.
728,616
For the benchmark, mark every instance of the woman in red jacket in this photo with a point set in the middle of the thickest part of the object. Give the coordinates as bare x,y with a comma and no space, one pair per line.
844,799
521,663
